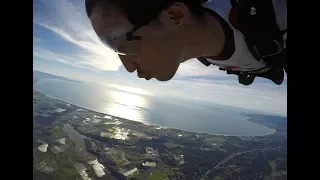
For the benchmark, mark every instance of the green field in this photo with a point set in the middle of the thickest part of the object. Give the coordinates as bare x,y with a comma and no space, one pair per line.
157,175
135,156
105,127
70,152
116,154
171,145
65,168
40,156
273,165
217,178
219,140
57,132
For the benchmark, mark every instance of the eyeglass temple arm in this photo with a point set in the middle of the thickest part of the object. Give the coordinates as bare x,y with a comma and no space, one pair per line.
131,37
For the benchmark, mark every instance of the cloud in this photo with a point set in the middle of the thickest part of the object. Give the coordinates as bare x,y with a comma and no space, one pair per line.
195,68
36,39
78,60
68,20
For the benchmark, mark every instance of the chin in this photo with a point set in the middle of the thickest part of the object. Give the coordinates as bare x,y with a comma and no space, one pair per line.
164,78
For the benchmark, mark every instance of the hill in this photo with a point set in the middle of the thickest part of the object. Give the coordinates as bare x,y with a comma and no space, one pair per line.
37,76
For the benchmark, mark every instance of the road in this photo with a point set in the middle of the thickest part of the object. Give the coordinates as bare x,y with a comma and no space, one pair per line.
237,154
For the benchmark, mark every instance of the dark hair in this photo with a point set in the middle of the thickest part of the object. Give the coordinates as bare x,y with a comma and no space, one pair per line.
90,5
141,12
118,4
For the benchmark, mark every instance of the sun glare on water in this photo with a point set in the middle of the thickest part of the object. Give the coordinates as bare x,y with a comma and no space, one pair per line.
130,89
126,105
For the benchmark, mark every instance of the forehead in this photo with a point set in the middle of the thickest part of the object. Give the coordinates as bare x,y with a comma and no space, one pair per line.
102,18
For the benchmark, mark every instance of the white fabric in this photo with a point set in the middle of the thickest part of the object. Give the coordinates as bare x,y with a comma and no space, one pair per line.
242,59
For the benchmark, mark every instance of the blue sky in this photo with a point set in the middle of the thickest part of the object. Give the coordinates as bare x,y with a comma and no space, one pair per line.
64,44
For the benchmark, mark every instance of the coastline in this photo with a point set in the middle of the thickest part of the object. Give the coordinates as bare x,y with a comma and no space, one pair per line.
150,124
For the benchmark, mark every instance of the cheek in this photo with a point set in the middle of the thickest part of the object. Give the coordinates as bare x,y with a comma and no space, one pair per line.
158,52
160,59
150,53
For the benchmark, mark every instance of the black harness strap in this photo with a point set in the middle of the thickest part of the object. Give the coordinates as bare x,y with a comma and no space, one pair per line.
204,61
229,46
256,20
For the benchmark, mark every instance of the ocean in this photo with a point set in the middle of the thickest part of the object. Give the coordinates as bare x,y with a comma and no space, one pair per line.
164,110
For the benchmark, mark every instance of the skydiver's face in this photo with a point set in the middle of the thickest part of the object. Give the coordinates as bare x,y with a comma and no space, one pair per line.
159,52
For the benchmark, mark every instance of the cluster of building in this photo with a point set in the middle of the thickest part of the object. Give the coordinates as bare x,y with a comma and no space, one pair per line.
98,168
82,171
56,148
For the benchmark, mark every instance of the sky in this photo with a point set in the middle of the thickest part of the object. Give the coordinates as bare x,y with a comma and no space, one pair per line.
64,44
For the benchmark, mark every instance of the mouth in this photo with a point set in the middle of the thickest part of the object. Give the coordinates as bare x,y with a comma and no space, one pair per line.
143,75
147,77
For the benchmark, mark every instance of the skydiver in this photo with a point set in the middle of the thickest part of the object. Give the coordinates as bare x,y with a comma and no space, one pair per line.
153,37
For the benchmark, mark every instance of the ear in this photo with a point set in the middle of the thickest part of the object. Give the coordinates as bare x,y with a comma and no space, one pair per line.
176,17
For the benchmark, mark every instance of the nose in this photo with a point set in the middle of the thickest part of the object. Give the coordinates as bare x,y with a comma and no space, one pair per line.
129,63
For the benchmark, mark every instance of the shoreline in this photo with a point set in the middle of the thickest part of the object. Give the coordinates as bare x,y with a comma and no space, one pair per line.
150,124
